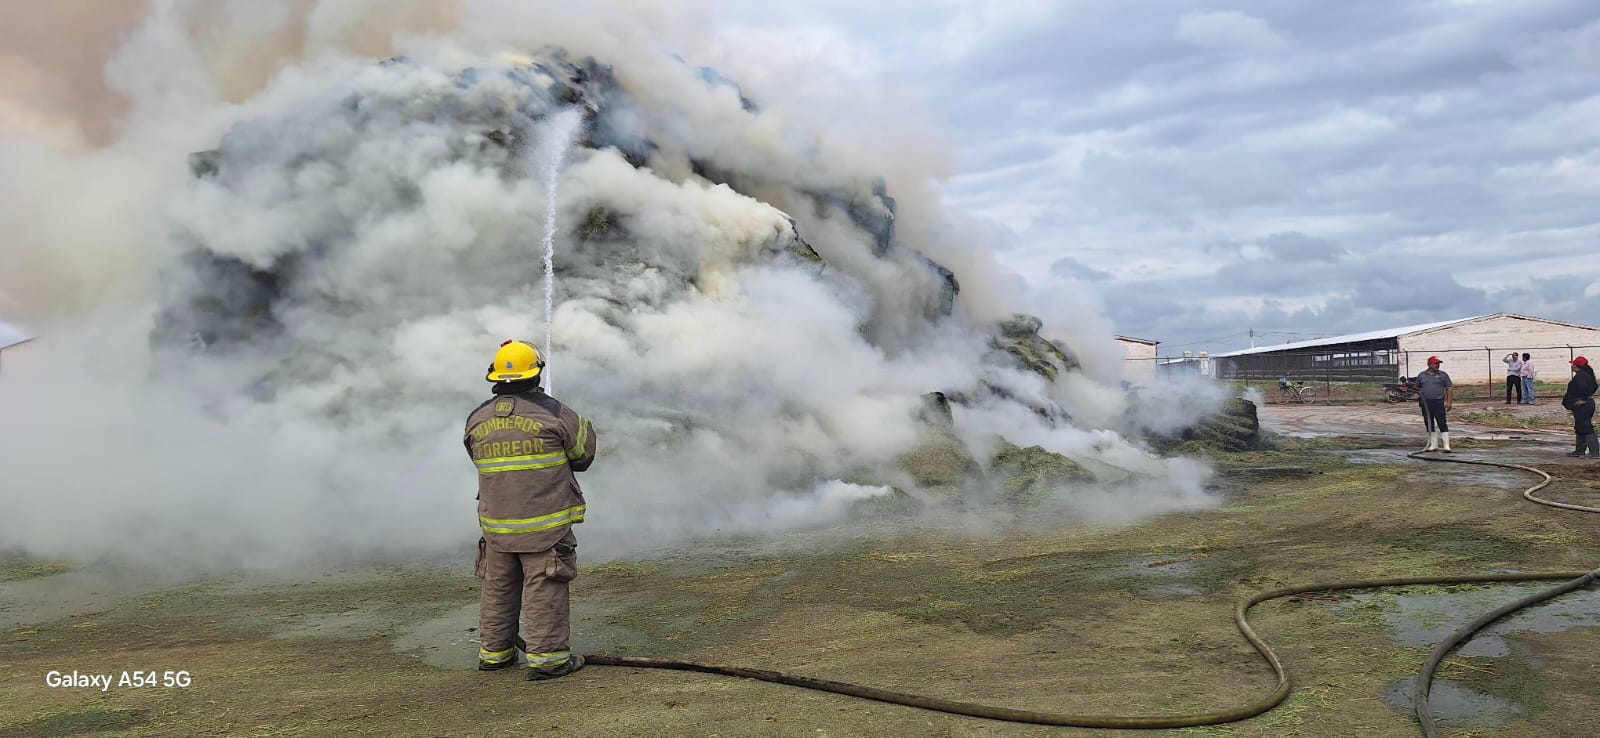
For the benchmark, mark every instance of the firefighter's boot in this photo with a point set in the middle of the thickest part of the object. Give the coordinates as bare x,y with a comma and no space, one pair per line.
1577,450
1433,442
1594,445
1444,437
572,664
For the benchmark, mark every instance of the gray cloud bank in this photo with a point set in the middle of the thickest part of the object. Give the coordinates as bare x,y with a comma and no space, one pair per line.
1340,145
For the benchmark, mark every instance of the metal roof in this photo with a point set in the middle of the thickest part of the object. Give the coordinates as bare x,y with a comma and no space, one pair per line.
1358,337
1409,330
1137,340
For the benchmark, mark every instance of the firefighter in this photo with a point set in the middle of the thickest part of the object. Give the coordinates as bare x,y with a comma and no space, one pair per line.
528,448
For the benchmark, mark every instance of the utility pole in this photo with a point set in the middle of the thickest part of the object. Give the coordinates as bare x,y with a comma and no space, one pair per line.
1252,338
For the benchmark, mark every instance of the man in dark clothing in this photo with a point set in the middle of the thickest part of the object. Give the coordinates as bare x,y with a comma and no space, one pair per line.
1436,397
1579,400
1513,364
528,448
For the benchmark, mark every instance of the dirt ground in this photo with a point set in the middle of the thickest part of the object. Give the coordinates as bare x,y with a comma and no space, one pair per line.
1471,419
1034,614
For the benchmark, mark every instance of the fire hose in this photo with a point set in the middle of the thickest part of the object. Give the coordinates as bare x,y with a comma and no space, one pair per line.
1576,580
1425,678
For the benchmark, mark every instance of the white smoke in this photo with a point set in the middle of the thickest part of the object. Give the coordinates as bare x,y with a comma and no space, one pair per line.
736,390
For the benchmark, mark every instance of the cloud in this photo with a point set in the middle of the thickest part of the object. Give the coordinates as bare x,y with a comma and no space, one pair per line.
1067,266
1228,30
1298,248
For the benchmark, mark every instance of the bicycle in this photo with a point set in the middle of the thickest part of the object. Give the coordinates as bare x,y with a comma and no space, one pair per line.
1299,392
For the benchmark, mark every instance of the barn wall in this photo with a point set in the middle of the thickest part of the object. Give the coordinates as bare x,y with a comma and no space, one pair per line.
1472,351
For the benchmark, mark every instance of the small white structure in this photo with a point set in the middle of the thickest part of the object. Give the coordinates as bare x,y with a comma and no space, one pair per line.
1138,358
1190,363
1470,349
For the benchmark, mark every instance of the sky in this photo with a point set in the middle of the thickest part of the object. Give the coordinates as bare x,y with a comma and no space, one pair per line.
1295,167
1203,169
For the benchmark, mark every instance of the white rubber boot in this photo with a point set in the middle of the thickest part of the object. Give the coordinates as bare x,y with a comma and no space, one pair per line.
1445,436
1433,442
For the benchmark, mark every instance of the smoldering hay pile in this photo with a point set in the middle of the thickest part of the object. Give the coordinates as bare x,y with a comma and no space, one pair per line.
758,344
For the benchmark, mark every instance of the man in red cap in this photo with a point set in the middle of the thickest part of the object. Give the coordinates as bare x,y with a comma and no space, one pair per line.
1438,396
1579,400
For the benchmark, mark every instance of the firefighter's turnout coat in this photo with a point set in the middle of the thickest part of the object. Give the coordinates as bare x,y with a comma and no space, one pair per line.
528,448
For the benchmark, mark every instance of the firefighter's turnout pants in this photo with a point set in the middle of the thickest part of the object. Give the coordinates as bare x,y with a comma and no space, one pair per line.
537,585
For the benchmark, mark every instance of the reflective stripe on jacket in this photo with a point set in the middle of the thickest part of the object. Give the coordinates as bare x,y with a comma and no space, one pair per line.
528,448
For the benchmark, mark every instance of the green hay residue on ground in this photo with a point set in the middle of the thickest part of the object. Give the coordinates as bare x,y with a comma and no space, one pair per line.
618,572
1132,619
17,566
1497,419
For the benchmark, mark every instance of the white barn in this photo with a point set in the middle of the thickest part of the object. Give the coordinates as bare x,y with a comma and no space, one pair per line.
1471,350
1138,358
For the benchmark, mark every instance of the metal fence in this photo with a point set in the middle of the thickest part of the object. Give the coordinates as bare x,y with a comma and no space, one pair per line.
1343,375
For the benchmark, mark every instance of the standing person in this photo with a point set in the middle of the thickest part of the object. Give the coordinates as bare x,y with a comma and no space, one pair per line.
1513,376
528,448
1438,396
1579,400
1529,373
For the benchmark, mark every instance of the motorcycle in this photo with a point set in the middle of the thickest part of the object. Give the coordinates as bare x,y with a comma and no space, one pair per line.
1403,391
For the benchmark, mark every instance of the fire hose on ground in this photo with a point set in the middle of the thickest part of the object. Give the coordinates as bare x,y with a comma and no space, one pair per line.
1575,580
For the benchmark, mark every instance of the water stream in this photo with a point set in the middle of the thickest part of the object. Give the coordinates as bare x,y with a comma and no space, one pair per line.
560,130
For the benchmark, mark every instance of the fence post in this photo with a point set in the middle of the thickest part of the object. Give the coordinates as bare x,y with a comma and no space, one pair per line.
1488,356
1327,382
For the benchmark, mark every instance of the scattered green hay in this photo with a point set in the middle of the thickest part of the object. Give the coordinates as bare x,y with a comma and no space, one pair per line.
1296,716
18,566
803,251
1233,429
1027,476
895,504
79,722
1291,444
1019,337
619,572
596,223
941,466
1498,419
1059,619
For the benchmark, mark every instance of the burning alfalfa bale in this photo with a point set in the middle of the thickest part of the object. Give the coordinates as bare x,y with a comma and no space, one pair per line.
750,314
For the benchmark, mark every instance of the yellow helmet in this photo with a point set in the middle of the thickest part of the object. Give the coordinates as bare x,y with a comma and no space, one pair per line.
516,361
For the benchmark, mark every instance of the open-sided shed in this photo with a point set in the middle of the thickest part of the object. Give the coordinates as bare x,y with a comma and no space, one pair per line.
1471,350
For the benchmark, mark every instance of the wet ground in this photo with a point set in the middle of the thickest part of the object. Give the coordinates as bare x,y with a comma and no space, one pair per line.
1056,616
